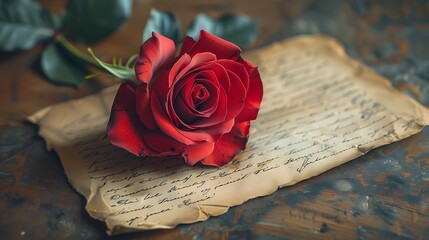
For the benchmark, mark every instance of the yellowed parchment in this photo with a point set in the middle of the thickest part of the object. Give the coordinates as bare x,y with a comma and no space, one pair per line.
320,109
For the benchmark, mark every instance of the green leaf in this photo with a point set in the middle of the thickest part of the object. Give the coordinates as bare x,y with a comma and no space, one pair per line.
164,23
60,68
123,72
89,21
23,24
238,29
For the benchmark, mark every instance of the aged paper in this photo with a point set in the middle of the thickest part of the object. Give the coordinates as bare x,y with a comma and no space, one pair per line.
320,109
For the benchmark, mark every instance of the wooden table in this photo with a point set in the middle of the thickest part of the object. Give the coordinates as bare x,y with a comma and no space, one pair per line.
384,194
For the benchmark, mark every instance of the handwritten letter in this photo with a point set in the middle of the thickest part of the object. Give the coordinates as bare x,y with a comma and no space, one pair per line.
320,109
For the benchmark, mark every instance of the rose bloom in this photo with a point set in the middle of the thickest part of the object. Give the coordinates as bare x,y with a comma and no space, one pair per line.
197,105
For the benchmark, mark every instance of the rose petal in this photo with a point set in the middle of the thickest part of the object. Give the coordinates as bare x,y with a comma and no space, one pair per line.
164,123
206,108
180,64
154,53
182,109
143,108
210,43
226,148
165,145
197,152
186,137
199,94
241,129
222,76
254,94
198,62
187,45
184,113
216,105
236,96
211,134
237,68
160,84
124,128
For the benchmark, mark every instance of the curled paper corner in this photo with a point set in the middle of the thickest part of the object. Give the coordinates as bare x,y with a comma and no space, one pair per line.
43,132
115,227
39,115
96,204
119,229
45,135
419,123
362,149
207,210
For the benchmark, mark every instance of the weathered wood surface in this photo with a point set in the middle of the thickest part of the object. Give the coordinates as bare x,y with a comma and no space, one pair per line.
384,194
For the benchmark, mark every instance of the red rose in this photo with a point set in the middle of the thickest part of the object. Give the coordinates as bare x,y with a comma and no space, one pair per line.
197,105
